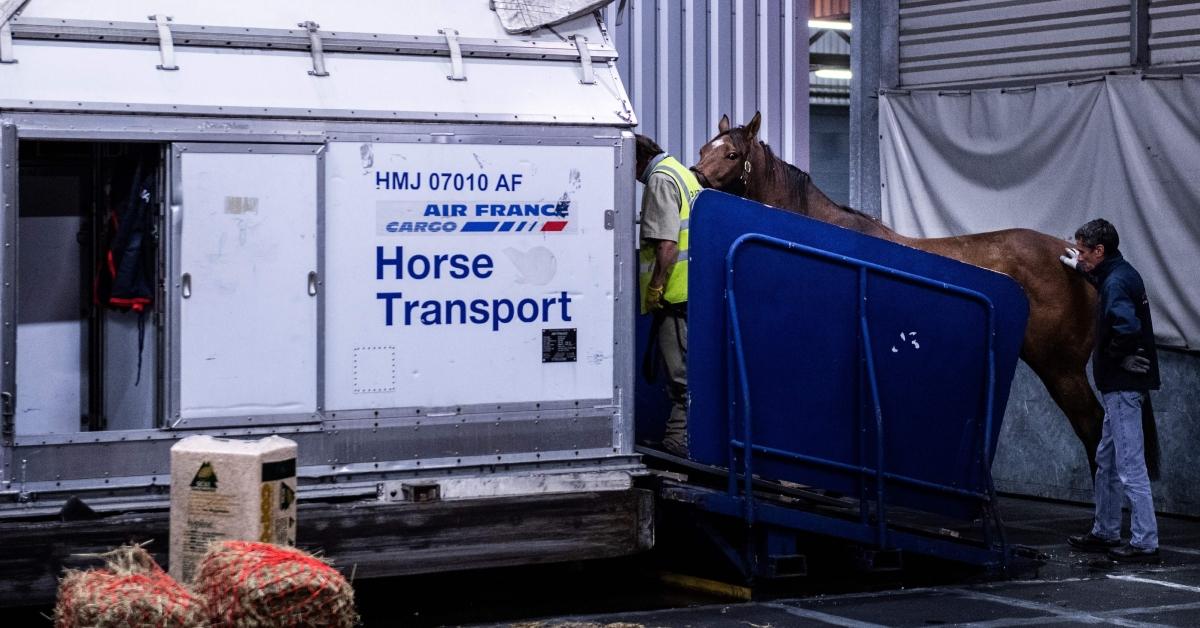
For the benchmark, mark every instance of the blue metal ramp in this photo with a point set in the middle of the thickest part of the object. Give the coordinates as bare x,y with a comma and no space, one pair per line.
825,358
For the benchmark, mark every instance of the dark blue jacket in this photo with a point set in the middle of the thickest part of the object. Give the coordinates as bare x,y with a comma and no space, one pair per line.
1124,327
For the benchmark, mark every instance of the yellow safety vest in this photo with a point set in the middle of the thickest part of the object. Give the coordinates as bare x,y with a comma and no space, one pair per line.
676,290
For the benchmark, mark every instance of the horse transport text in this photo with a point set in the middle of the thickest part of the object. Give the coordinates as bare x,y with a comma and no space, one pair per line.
457,266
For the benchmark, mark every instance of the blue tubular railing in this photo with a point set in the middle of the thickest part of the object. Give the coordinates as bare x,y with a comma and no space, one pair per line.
739,386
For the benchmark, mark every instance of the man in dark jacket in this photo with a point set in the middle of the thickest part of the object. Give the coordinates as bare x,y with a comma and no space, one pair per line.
1125,367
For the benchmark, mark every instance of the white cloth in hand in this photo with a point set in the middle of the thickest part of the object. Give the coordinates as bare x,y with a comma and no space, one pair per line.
1070,257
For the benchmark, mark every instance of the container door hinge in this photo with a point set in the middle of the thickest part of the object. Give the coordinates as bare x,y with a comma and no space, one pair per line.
316,47
7,428
456,62
166,44
585,58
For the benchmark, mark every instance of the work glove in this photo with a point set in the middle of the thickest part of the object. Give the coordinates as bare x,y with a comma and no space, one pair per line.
1136,363
1070,257
654,298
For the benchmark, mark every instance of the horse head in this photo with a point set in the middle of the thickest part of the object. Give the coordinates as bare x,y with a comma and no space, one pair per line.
728,160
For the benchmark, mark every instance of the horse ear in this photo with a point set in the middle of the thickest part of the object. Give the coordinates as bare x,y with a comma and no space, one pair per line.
723,125
752,126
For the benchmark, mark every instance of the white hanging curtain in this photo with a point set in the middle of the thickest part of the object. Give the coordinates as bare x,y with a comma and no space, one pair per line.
1052,157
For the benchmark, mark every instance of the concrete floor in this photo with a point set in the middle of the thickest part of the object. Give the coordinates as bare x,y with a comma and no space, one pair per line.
1065,588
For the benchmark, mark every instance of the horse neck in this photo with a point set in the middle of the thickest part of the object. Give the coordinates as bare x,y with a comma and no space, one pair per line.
822,208
775,182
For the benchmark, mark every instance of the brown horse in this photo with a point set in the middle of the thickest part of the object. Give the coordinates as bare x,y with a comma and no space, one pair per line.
1062,304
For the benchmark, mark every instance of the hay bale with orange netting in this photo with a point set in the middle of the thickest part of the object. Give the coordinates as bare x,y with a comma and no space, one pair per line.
131,590
252,585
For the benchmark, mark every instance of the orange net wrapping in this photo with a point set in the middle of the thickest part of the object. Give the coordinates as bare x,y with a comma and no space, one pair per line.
131,591
251,585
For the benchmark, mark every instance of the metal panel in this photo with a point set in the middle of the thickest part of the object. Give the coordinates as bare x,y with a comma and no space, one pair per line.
301,39
8,294
394,337
688,62
52,333
1174,31
988,40
372,448
908,357
57,76
246,247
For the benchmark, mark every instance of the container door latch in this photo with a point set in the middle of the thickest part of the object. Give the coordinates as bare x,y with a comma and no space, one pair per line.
6,45
7,13
316,47
7,414
456,62
585,58
166,44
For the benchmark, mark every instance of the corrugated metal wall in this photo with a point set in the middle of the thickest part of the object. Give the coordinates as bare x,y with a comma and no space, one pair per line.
687,62
988,41
1174,31
944,41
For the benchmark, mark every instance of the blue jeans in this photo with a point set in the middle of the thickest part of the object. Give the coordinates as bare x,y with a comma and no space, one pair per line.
1121,472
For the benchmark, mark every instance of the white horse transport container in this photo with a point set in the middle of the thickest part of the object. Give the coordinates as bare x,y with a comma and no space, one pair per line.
388,230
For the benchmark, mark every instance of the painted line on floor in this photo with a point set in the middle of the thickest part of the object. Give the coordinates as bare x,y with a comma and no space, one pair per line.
1166,608
1182,550
1161,583
828,618
1055,611
1007,621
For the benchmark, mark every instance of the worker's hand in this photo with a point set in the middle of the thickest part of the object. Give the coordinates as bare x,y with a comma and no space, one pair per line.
1136,364
654,298
1070,257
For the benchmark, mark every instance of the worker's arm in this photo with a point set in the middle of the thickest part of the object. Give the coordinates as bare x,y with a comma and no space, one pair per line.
660,227
665,252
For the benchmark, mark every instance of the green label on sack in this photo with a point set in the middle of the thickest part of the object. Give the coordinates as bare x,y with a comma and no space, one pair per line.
206,478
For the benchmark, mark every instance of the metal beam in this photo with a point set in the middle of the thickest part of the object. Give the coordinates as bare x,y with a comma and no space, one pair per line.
866,61
188,35
1139,33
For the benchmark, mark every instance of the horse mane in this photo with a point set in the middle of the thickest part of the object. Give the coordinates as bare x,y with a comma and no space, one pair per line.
799,180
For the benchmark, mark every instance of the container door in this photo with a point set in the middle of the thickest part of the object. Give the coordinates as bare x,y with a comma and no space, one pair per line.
246,278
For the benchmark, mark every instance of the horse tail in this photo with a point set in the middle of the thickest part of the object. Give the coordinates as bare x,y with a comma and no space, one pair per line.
1150,438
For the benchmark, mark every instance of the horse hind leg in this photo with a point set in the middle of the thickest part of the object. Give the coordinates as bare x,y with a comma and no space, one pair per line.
1071,391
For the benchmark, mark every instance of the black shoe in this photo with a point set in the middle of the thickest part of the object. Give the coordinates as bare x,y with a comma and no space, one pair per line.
676,449
1131,554
1091,543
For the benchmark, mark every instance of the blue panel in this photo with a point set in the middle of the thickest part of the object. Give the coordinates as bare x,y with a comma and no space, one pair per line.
808,379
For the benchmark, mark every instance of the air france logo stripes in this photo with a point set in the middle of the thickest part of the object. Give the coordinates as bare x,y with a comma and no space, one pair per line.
479,226
396,218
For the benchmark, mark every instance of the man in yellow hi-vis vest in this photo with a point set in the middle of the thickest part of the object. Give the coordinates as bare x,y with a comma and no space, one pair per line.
663,272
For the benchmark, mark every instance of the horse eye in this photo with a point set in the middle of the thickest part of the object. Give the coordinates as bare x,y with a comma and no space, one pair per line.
731,155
